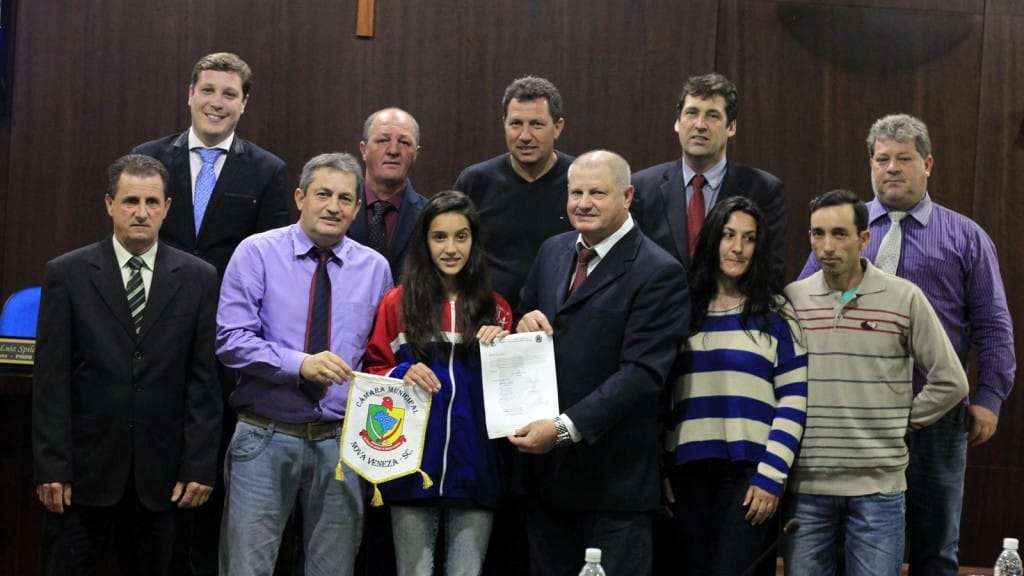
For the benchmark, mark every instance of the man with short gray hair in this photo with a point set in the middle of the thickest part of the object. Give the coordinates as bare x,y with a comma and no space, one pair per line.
954,263
295,356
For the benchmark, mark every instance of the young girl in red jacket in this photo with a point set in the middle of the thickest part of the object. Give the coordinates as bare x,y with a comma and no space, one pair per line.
428,332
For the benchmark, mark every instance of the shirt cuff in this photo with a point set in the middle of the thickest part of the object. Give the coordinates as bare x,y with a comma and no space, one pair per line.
573,432
987,399
291,362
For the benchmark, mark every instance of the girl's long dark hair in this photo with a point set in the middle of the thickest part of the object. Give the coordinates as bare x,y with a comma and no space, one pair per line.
423,287
761,288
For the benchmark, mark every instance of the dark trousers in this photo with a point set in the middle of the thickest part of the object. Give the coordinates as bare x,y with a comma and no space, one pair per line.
75,542
713,537
935,494
197,544
559,537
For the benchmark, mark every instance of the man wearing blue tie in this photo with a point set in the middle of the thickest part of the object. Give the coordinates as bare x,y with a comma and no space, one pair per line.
224,189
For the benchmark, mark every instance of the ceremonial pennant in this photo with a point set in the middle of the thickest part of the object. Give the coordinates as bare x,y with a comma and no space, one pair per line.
384,430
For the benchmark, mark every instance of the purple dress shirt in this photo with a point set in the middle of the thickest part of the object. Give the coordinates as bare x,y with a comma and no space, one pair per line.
953,261
261,319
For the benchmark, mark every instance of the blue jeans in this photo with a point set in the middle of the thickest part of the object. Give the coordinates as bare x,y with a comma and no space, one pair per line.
266,474
871,526
935,492
467,531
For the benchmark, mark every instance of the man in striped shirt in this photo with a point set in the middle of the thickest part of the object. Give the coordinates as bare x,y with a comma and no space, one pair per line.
954,263
865,330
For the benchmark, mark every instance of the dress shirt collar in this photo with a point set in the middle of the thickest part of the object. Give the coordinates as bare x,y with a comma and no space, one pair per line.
194,141
302,244
605,246
922,211
123,255
395,200
714,176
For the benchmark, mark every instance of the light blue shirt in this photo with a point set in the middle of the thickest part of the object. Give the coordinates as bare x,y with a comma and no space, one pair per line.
714,178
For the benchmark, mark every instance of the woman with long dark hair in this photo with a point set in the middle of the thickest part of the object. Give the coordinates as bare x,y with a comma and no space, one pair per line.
428,332
739,398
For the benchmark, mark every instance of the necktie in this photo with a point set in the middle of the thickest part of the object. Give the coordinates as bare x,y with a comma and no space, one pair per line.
136,291
205,182
318,328
378,236
318,323
583,257
888,257
695,212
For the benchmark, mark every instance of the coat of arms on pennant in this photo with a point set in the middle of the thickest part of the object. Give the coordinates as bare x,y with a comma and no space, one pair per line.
384,429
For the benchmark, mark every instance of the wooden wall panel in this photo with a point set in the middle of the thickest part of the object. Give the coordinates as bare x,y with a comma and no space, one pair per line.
998,205
100,75
811,84
992,502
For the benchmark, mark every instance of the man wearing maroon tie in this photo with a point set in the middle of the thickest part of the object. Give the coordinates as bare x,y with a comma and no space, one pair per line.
672,198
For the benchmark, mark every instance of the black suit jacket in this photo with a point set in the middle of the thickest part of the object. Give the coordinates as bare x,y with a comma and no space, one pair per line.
251,196
659,206
412,203
108,402
615,338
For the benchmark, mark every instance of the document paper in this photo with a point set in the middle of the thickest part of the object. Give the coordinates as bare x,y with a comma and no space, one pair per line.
519,382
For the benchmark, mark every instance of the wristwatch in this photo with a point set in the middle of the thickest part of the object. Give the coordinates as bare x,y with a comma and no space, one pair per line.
562,436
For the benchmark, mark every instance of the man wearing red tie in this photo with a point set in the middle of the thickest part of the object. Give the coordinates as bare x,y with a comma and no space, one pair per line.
672,198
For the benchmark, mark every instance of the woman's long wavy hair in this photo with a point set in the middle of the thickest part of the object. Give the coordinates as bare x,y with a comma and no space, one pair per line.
423,285
761,288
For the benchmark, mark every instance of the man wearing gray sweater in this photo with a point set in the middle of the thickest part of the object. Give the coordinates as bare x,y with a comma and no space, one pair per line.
865,330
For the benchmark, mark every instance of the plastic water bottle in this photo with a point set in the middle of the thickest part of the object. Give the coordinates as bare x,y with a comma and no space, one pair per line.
593,563
1008,563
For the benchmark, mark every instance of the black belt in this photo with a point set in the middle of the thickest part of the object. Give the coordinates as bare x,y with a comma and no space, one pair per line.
306,431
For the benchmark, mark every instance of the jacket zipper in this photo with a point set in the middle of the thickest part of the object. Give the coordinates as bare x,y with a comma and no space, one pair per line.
451,401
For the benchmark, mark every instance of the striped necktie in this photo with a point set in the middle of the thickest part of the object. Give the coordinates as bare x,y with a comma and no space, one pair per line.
136,291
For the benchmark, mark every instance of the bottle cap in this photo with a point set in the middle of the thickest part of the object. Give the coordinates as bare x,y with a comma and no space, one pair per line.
594,555
1008,543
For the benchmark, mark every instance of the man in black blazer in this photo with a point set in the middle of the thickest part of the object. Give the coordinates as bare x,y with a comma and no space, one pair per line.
705,120
618,308
249,185
244,189
125,411
389,204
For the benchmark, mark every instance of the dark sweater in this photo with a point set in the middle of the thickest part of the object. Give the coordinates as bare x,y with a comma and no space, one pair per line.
516,216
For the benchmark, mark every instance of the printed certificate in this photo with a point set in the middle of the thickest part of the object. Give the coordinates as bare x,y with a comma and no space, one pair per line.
519,382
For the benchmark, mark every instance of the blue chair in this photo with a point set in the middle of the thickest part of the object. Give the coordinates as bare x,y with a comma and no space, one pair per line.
20,313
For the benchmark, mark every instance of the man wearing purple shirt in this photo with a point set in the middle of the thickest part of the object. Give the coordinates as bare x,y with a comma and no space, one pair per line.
954,263
296,308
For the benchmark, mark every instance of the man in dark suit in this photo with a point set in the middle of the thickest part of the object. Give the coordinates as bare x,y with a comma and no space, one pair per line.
618,308
225,189
673,198
125,411
390,204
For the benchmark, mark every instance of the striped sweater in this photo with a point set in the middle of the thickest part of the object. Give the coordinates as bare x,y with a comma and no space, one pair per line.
741,396
860,397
